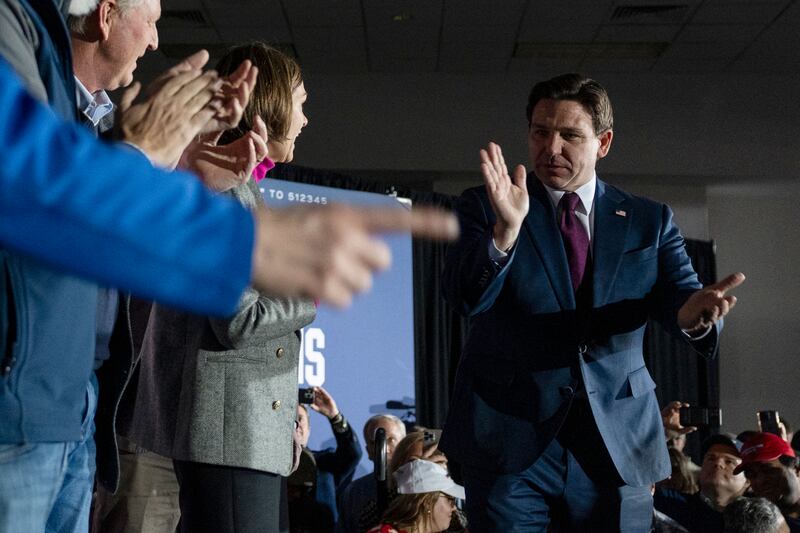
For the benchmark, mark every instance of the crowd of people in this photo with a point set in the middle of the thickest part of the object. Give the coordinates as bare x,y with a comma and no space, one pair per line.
150,309
745,482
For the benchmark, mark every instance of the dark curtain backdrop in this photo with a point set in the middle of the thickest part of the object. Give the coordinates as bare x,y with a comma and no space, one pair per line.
680,373
439,332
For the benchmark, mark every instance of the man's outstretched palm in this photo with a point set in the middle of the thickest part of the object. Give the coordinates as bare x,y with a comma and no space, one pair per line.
508,196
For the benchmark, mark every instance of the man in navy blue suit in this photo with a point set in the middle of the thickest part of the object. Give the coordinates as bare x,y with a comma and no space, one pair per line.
554,416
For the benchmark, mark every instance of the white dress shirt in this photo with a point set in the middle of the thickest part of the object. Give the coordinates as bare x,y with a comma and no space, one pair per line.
584,212
95,105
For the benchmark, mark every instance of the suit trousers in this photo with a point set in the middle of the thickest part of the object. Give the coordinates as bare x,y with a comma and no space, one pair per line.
227,499
572,487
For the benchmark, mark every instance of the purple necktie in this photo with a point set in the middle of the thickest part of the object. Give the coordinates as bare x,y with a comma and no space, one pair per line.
576,241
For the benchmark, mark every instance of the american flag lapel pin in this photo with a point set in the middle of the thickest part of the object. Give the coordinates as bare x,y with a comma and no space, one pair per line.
620,213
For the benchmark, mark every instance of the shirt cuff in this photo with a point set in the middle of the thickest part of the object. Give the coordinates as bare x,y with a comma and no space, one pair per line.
495,254
339,423
696,337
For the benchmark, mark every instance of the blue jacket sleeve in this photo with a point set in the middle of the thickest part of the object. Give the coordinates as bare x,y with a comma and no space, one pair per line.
104,213
471,281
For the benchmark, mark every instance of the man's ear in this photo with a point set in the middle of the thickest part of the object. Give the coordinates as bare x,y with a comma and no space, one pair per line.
605,143
105,17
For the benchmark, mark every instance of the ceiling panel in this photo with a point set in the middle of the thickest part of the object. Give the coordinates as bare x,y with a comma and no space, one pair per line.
381,63
476,52
767,56
633,33
167,5
271,19
591,65
702,33
792,14
541,67
783,31
331,64
695,66
329,42
689,51
235,5
466,63
488,41
323,12
558,11
479,12
737,12
380,14
189,36
727,2
239,34
482,36
557,33
405,42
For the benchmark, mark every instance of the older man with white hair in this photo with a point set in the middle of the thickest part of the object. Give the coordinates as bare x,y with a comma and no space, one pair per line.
108,38
362,493
108,41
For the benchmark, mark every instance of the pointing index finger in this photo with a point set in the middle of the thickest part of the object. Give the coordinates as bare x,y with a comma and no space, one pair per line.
421,222
730,282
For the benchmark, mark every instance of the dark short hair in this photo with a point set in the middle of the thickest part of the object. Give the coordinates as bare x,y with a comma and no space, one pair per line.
751,515
576,87
733,443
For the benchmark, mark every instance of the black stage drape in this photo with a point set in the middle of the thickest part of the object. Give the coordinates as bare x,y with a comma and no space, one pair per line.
680,373
439,332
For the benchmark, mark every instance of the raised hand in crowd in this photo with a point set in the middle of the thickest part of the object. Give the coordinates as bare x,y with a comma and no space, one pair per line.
671,417
334,251
707,306
508,195
224,167
324,403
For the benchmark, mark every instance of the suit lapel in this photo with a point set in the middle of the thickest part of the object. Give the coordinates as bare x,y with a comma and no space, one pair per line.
612,220
542,230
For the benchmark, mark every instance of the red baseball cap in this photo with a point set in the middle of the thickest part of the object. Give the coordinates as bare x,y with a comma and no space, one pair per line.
763,447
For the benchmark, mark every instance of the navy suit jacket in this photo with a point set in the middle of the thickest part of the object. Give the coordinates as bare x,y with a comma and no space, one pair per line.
529,349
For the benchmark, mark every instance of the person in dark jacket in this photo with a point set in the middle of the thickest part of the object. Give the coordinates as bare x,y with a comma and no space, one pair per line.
720,484
323,474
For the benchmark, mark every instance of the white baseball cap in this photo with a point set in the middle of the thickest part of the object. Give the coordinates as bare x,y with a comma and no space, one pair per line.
420,476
